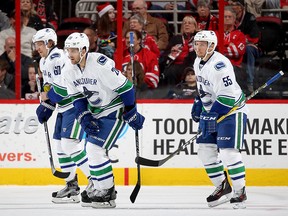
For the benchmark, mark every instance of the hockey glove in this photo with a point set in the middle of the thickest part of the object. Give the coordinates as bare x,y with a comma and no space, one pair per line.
88,123
208,123
196,109
45,110
134,119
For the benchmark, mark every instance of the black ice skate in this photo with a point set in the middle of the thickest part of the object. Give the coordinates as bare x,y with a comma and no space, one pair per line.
238,199
222,194
69,194
104,198
86,201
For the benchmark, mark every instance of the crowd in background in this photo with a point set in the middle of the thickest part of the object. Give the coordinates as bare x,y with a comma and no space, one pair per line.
163,61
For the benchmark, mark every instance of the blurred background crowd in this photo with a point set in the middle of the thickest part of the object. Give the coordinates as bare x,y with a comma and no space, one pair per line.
255,40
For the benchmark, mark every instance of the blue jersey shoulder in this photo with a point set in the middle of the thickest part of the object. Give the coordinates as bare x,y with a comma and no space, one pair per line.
102,59
219,66
55,55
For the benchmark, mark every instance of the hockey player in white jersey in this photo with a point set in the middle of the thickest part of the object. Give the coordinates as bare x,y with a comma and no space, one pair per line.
104,100
219,142
67,133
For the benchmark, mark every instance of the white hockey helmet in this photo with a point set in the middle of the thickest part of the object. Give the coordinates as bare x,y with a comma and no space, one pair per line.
45,35
208,36
77,40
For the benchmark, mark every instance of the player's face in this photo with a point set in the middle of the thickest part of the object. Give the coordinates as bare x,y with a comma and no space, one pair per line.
41,48
74,55
200,48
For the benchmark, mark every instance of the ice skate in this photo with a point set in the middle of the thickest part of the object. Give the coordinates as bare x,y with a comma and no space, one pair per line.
222,194
104,198
69,194
86,201
238,199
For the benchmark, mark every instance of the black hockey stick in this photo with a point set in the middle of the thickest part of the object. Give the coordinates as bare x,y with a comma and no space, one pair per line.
138,184
157,163
55,172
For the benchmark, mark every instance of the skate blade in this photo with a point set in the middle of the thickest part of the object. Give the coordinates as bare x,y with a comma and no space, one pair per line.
221,201
109,204
65,200
240,205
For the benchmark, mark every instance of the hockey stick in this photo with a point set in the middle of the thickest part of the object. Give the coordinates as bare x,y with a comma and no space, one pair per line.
157,163
138,184
55,172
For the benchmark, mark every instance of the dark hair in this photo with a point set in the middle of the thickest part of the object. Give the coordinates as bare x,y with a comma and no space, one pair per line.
139,72
105,26
186,71
4,64
137,33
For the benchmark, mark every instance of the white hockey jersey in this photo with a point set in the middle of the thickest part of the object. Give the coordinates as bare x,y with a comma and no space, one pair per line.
51,67
216,81
100,82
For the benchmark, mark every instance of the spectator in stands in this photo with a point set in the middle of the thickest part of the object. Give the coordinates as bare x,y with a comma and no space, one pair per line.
180,53
46,13
205,20
254,6
106,22
4,21
7,80
93,39
187,88
106,28
146,58
29,89
141,87
191,5
30,17
246,23
26,36
234,45
10,56
153,26
156,5
137,23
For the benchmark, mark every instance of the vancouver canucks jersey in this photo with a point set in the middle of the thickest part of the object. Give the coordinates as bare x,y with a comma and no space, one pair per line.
216,82
100,82
51,67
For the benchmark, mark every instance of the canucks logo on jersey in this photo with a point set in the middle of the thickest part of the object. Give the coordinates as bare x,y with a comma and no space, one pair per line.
92,96
219,66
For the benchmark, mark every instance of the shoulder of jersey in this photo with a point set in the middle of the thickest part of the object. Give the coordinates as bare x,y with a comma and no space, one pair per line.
219,62
100,58
56,53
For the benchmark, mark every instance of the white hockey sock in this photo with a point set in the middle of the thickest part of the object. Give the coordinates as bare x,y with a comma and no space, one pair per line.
75,149
100,166
65,161
236,167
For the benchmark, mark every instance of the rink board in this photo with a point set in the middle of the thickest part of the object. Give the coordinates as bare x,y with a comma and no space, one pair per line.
24,157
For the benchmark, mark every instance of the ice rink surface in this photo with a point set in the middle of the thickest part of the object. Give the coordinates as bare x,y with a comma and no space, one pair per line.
151,201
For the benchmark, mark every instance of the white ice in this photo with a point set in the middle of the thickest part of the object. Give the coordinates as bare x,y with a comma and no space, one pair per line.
151,201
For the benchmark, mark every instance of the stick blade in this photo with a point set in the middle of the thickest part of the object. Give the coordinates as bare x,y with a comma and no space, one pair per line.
59,174
135,192
147,162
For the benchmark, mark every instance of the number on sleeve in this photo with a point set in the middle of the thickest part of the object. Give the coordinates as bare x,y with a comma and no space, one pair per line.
227,81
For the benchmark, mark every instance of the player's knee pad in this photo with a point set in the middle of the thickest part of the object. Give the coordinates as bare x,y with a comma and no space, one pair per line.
71,146
208,153
96,153
230,155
